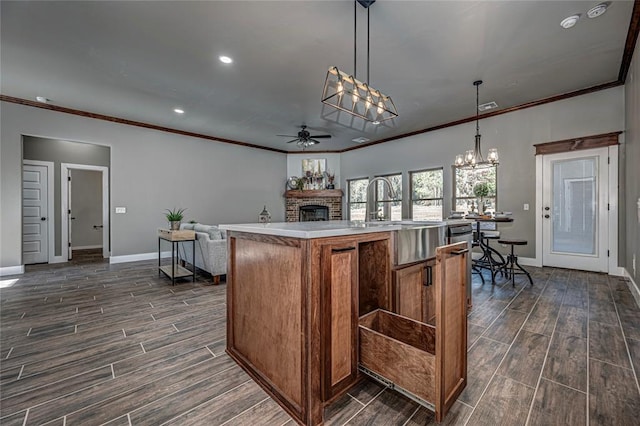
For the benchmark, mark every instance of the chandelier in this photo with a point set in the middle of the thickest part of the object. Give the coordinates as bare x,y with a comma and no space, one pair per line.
346,93
473,159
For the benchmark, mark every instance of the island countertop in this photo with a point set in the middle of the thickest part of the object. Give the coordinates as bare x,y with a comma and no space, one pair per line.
319,229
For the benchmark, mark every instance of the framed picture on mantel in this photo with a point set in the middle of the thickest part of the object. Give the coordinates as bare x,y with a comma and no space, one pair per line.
314,167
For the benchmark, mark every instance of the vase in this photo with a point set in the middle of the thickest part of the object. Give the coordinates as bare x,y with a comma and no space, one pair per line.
175,225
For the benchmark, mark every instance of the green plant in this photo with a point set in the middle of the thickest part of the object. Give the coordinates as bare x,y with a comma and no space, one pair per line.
174,215
481,189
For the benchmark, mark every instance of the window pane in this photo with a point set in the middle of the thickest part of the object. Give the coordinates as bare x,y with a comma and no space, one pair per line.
465,198
358,190
427,210
356,211
396,184
427,184
466,180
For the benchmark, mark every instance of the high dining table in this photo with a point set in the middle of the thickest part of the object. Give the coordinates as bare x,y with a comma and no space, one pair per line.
489,254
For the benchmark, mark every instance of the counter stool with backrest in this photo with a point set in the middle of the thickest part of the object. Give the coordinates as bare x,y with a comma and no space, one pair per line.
512,260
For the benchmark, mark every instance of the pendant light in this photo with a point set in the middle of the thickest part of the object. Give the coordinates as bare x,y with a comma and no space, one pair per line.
345,93
472,159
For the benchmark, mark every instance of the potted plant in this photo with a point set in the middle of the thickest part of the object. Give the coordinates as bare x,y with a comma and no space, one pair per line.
481,190
174,217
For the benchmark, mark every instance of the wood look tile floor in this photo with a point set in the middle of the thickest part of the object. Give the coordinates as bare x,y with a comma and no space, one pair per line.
90,343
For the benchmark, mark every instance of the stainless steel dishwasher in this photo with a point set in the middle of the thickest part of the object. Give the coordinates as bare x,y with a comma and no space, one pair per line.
458,232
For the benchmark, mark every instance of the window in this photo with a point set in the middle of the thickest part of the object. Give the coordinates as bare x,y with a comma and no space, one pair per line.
357,198
426,194
383,202
464,183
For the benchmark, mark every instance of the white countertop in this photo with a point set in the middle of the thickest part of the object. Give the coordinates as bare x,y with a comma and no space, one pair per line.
332,228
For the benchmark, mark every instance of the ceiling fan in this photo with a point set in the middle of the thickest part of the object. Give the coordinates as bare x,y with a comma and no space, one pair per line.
304,139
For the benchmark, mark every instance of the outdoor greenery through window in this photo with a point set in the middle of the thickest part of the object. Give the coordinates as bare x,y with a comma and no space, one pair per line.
383,201
471,194
426,194
357,198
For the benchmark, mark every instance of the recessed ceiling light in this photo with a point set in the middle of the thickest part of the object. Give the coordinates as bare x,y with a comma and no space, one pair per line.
487,106
178,110
42,99
569,21
225,59
360,140
375,122
598,10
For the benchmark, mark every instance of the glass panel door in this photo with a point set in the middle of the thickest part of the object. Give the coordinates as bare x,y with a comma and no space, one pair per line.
575,206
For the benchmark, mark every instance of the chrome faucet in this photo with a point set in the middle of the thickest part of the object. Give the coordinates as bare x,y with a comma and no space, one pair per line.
371,212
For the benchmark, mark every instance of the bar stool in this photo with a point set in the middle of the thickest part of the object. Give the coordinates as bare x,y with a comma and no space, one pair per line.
488,261
512,259
474,268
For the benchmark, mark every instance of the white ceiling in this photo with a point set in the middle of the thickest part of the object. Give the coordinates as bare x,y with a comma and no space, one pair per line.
138,60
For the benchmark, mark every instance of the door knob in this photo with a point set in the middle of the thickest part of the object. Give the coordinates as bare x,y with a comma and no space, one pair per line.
546,216
546,208
43,218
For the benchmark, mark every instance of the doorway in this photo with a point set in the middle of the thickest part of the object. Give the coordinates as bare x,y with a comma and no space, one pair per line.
37,212
80,217
578,221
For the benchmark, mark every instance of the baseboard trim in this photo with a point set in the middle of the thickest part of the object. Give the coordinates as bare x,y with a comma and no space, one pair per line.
11,270
139,257
99,246
529,261
618,272
633,287
58,259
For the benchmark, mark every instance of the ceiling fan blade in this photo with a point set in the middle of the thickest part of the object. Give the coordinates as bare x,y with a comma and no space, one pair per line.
294,140
319,136
288,136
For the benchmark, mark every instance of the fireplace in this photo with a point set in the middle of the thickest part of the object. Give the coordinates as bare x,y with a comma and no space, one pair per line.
313,205
313,213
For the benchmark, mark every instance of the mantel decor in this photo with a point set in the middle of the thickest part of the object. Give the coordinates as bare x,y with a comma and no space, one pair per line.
314,193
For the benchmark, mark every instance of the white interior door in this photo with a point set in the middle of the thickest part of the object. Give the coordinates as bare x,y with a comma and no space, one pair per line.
35,220
575,198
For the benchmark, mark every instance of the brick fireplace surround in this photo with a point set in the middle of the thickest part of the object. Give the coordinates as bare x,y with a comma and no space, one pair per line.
331,198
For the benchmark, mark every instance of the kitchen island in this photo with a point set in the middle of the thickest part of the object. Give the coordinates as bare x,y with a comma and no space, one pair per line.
295,294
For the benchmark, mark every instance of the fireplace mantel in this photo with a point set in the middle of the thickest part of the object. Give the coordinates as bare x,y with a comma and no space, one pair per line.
314,193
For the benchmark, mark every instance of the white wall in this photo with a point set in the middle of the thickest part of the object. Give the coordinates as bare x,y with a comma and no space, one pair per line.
631,183
150,171
514,134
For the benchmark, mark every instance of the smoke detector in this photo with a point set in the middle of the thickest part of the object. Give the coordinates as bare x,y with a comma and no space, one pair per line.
569,21
42,99
598,10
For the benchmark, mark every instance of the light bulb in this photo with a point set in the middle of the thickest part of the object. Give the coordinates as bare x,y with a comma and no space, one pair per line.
459,160
380,107
355,98
340,88
493,155
368,103
469,157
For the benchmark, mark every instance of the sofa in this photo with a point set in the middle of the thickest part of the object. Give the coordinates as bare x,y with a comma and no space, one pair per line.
211,249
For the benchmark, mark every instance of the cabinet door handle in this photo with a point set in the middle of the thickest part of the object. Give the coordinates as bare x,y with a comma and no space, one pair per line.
342,250
459,252
429,276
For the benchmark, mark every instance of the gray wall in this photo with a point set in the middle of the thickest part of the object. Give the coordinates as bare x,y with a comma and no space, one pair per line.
59,151
631,184
86,208
514,134
150,171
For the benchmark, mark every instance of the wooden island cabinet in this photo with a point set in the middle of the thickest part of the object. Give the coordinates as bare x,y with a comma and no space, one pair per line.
296,293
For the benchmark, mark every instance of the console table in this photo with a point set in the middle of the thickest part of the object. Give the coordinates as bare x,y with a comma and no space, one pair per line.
174,270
